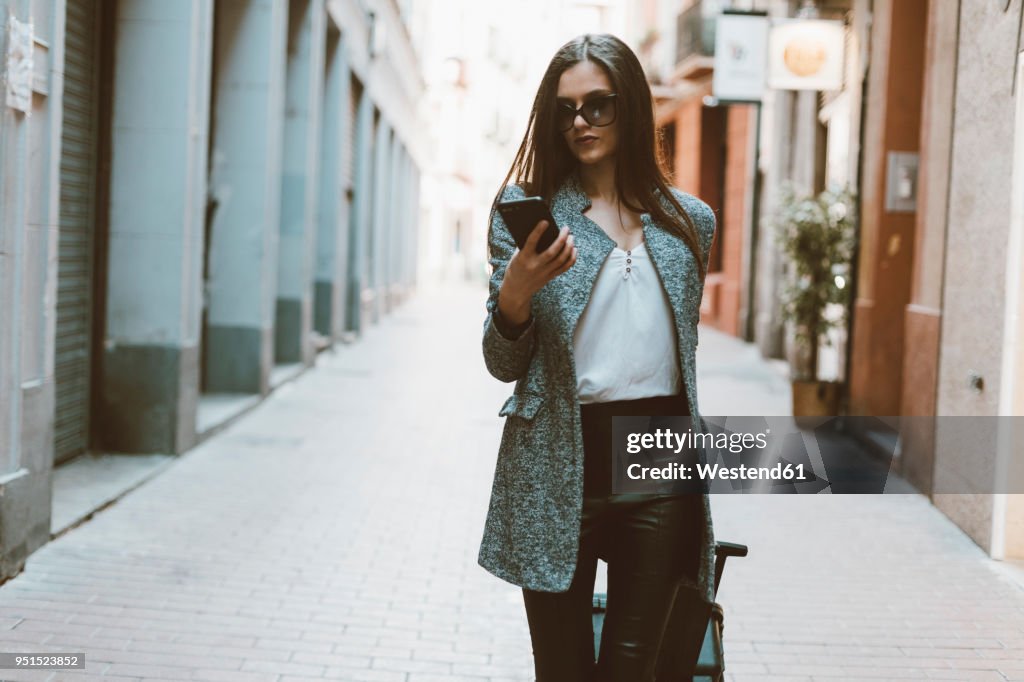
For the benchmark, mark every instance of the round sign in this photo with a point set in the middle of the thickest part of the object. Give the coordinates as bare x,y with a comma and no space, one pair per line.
804,56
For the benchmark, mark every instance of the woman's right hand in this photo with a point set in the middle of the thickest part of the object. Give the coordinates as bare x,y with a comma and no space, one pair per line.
528,271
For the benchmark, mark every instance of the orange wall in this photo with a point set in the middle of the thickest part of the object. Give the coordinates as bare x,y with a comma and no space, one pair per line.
734,216
711,162
887,239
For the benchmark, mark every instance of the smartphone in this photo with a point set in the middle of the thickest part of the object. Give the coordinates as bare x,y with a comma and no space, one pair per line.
522,215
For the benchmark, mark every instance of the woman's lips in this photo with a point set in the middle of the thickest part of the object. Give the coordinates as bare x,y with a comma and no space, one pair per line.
586,140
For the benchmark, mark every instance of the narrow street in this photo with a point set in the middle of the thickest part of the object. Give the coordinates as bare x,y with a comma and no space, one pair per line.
332,534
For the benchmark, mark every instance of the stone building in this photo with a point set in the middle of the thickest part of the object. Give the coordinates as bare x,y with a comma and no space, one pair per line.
199,196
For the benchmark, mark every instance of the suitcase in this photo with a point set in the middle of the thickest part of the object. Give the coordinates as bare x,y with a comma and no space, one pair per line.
711,661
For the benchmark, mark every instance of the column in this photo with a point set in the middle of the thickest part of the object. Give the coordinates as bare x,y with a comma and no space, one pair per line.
382,199
293,319
149,379
885,261
331,269
361,210
245,182
29,224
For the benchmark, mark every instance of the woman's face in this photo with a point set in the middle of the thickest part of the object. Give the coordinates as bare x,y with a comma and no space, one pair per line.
585,84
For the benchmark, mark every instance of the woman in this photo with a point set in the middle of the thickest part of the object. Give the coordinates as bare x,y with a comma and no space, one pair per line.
601,323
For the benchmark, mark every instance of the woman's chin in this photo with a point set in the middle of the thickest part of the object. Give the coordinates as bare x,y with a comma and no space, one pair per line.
591,158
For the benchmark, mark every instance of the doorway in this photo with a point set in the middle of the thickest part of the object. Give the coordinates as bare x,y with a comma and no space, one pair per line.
81,278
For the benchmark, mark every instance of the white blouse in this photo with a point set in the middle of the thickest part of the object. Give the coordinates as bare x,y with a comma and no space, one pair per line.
625,342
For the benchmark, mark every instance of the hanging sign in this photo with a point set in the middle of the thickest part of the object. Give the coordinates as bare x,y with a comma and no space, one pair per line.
741,42
806,54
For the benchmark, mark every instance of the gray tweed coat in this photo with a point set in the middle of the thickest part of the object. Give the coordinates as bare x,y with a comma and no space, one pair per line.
531,534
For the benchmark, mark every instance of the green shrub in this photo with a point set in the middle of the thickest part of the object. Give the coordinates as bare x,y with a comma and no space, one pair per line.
817,234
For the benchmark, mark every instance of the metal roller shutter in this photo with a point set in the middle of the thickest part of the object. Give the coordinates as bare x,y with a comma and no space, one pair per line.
77,231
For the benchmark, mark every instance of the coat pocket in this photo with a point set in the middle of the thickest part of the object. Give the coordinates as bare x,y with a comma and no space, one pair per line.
523,405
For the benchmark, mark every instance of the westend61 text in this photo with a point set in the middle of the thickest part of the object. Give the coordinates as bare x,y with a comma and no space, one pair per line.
684,472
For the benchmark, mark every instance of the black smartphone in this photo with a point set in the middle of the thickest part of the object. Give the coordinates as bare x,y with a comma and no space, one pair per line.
522,215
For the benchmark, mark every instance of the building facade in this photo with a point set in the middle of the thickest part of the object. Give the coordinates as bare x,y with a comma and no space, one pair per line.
928,130
201,195
955,347
737,155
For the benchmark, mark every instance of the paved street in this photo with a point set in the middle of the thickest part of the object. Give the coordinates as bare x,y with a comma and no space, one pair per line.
332,533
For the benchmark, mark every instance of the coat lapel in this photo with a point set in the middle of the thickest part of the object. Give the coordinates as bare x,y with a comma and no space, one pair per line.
666,249
594,245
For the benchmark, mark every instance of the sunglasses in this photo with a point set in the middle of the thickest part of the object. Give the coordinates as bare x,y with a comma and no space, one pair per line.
598,112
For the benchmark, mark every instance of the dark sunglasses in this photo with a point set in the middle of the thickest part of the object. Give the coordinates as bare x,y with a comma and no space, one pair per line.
598,112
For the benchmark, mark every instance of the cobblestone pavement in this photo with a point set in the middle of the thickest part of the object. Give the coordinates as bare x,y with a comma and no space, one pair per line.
332,533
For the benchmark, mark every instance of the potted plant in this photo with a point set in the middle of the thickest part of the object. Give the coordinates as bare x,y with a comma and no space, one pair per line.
816,232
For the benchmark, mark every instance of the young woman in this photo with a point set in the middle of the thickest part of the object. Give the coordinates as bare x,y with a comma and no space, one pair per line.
601,323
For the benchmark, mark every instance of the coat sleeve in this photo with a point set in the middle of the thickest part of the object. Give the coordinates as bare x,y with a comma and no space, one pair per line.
506,359
704,218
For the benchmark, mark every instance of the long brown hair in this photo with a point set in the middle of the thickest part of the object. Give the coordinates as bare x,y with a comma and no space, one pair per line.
544,160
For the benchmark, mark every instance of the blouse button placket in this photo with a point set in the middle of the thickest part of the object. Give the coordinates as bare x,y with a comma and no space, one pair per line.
629,260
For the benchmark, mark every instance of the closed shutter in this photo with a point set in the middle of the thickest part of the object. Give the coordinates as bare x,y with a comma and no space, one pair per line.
77,232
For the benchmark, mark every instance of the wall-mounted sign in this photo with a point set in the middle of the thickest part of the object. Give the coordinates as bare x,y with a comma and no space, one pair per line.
18,68
741,42
806,54
901,182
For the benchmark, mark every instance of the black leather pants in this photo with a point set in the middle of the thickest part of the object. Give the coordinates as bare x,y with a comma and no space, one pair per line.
650,542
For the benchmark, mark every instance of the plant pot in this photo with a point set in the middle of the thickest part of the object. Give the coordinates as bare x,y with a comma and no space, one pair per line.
815,399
